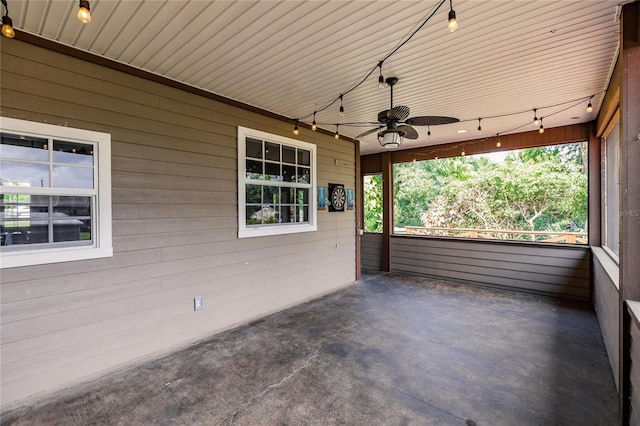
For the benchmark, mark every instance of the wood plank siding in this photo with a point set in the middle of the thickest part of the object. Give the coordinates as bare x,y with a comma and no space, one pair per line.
174,191
634,365
372,252
605,301
554,270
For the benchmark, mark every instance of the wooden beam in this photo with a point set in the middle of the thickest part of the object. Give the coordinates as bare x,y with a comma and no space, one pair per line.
595,170
387,210
611,104
359,206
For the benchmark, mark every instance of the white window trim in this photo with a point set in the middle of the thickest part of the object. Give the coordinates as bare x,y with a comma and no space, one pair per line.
277,229
102,245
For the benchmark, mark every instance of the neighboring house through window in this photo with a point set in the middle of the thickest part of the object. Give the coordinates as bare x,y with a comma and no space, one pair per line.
55,201
277,184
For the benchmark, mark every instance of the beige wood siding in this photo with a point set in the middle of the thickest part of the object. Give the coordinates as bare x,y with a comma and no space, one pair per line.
174,228
371,252
561,271
606,303
634,373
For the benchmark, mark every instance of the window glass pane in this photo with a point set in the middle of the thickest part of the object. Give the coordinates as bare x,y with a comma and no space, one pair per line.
26,219
254,169
253,215
302,196
304,157
536,194
72,153
612,191
372,186
304,175
14,173
271,194
287,195
303,213
270,214
288,155
253,148
71,218
72,177
272,151
287,214
272,171
253,194
288,173
24,148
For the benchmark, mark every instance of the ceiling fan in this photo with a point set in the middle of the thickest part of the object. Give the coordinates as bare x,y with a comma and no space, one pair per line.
395,126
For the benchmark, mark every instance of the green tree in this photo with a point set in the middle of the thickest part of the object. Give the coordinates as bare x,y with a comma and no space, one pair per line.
372,199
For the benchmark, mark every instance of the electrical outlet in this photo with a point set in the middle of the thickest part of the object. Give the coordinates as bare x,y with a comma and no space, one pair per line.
197,303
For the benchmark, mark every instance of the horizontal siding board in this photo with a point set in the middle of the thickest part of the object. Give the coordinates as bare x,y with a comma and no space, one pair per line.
552,270
174,176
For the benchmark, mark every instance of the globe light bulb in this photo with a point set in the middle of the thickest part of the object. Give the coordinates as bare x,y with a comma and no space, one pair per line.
84,14
7,27
453,22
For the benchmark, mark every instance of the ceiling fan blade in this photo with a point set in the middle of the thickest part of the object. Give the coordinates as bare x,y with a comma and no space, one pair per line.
398,113
368,132
409,132
430,120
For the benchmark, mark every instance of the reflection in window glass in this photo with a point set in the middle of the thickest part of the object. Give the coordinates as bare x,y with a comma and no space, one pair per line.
72,177
17,173
612,190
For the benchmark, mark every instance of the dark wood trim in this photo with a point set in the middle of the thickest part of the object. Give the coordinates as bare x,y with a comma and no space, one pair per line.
629,189
595,194
557,135
359,212
137,72
387,210
610,104
531,139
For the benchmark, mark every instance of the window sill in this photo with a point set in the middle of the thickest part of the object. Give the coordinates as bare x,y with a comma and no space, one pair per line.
608,264
45,256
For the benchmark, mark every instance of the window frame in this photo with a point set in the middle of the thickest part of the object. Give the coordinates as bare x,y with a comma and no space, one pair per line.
101,245
245,231
608,216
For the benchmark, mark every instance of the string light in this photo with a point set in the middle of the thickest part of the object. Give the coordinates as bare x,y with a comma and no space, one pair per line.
381,83
541,129
590,107
337,135
7,23
479,126
536,121
295,129
428,132
314,126
84,13
498,144
341,107
453,22
463,153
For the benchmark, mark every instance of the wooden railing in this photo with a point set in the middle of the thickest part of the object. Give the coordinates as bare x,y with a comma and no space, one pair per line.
501,234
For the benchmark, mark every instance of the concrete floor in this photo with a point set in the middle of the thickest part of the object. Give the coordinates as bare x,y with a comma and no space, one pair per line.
390,350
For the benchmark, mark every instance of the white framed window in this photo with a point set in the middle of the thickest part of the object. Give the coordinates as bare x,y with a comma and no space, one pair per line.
276,184
55,193
611,192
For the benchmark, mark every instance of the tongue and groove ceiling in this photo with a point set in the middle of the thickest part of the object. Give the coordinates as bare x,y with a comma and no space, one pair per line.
295,57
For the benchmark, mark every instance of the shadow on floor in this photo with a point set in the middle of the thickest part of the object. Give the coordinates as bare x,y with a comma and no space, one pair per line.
390,350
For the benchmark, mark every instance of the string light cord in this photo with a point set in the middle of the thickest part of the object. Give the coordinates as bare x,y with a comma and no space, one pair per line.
404,40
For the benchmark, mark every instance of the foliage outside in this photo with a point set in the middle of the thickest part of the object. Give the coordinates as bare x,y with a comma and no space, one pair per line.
537,189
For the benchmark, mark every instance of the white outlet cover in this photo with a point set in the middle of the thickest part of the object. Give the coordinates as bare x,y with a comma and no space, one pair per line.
197,303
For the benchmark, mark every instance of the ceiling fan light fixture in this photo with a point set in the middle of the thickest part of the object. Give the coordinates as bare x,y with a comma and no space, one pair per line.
390,139
84,13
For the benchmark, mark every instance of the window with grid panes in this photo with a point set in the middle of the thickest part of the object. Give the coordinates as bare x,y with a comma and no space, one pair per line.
277,176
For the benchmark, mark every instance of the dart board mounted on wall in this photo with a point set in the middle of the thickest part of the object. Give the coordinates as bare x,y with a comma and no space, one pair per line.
337,197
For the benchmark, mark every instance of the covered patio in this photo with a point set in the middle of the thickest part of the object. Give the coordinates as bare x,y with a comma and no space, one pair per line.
391,349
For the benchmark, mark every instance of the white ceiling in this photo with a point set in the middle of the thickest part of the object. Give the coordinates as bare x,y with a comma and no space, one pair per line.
294,57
